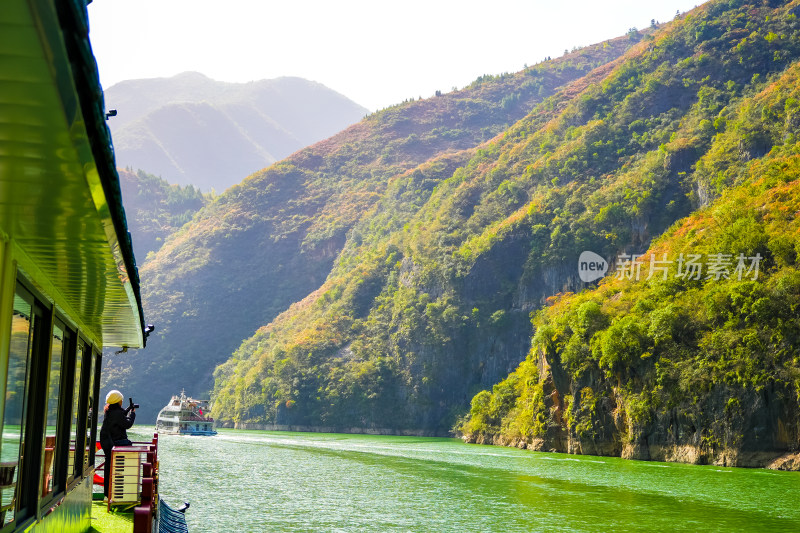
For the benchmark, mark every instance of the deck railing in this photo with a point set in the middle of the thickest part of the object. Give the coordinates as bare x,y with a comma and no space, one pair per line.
134,482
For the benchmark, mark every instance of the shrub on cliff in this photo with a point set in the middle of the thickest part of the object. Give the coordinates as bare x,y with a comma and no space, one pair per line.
678,359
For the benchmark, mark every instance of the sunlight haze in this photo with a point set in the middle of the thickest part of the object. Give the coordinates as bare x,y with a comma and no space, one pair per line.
376,53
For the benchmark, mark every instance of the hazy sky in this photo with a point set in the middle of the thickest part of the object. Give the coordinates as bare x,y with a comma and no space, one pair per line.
376,52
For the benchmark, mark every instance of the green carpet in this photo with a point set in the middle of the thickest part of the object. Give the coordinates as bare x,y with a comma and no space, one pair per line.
113,522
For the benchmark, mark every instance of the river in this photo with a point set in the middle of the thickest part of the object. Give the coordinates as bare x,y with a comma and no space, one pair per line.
254,481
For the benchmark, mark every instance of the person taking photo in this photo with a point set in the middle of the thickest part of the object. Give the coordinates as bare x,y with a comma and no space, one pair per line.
113,432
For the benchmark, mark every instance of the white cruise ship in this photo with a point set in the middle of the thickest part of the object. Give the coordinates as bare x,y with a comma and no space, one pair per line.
185,416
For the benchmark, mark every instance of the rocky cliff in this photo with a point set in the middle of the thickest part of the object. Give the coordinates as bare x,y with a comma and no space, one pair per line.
427,301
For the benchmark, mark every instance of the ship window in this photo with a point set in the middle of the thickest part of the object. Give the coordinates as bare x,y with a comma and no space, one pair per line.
46,437
27,327
91,418
58,354
13,420
75,461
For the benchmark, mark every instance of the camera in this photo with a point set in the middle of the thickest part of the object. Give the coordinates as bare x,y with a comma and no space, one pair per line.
132,405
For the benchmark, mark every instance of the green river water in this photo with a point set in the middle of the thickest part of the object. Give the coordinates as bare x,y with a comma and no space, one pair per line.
254,481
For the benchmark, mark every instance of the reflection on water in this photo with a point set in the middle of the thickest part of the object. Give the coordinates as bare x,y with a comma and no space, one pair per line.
262,481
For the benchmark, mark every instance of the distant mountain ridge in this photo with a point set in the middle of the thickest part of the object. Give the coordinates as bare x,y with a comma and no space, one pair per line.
390,272
271,240
190,129
431,294
155,209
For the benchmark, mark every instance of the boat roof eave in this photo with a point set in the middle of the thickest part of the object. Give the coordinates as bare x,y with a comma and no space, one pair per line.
62,205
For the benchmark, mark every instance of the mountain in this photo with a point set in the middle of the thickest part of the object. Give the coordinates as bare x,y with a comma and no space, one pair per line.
190,129
273,239
429,299
687,363
155,209
389,272
693,368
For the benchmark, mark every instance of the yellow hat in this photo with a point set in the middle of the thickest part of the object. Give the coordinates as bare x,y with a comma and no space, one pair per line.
113,396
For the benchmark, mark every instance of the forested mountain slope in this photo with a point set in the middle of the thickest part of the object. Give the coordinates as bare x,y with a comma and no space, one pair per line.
687,363
190,129
155,209
428,302
272,240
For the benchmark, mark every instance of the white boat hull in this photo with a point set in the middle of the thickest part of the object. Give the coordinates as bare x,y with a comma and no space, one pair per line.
184,416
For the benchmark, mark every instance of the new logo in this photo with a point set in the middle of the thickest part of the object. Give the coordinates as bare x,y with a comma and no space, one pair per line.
591,266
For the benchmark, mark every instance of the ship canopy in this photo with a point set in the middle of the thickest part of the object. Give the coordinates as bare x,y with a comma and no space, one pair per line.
60,203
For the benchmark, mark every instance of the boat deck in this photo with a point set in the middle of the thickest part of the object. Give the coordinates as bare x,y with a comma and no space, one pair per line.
113,522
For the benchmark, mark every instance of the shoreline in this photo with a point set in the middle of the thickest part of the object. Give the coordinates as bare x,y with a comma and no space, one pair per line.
684,454
333,429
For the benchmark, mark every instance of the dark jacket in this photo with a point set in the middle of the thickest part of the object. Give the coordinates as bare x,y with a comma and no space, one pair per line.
116,421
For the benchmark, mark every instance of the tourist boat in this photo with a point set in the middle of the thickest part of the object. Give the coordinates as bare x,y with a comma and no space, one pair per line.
69,287
184,416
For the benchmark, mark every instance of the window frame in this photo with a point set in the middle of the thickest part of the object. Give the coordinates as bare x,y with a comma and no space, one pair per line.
29,478
30,505
23,517
78,473
97,360
61,451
